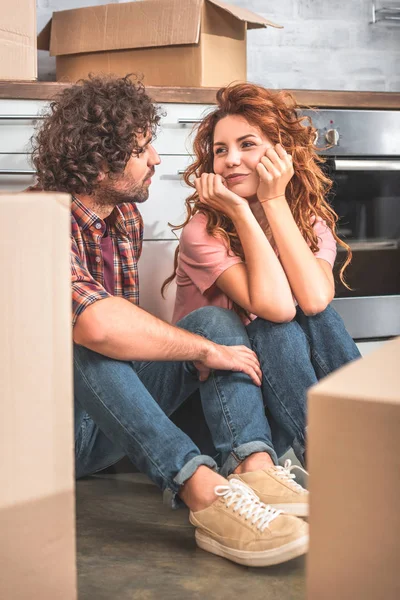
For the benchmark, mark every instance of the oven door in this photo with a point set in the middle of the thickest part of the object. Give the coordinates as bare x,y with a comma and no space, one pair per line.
366,196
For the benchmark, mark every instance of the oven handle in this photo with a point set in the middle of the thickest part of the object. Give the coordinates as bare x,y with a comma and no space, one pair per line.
361,245
366,165
17,172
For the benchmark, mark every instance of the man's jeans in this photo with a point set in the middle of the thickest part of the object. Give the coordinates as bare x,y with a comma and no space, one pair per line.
123,408
293,357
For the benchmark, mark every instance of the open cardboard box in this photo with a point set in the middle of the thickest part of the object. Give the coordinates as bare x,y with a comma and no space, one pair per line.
18,56
354,465
188,43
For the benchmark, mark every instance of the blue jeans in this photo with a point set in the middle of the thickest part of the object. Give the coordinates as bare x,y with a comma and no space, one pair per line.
123,408
293,357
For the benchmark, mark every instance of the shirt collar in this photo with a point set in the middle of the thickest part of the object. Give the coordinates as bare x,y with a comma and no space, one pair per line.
86,218
117,219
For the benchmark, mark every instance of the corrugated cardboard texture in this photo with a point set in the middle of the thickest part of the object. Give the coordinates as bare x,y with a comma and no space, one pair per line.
171,42
354,463
37,541
18,57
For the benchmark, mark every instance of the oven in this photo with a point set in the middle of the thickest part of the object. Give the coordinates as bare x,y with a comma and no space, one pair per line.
362,151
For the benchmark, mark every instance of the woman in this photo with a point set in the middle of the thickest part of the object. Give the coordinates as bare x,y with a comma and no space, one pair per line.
260,239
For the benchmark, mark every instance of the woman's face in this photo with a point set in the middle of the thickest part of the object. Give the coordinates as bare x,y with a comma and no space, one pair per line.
238,148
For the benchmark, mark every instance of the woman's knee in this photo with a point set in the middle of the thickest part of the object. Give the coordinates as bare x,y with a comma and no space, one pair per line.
216,324
271,330
329,318
277,339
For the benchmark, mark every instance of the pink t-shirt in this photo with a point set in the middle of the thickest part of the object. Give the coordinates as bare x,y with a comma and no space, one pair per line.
202,259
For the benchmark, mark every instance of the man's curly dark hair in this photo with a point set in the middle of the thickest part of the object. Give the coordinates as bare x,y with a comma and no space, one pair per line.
92,127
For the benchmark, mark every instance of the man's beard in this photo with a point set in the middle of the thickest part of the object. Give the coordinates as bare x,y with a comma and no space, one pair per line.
120,191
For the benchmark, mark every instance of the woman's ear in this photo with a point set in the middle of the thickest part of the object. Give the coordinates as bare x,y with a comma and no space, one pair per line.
101,176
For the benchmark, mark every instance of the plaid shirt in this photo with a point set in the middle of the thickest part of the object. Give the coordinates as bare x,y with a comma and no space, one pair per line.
125,227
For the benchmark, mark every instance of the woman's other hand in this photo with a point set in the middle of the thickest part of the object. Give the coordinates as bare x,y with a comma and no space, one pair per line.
212,191
275,170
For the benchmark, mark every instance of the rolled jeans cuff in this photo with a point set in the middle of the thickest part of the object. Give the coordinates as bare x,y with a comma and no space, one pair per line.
239,454
170,495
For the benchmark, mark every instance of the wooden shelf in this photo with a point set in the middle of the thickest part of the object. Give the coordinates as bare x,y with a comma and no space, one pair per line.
318,98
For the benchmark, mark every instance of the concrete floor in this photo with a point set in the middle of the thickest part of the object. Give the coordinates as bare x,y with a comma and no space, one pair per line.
132,547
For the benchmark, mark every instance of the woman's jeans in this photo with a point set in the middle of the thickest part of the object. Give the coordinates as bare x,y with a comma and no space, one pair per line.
123,408
293,357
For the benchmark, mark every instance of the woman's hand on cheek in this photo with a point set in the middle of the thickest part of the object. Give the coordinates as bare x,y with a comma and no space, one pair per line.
213,192
275,170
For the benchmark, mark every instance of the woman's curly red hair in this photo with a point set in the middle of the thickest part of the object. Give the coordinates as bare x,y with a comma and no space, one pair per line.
275,113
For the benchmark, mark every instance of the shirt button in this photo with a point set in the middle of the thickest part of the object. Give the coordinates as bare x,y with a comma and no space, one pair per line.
98,225
98,259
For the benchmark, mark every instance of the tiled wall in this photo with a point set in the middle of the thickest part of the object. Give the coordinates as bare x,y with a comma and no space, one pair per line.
325,44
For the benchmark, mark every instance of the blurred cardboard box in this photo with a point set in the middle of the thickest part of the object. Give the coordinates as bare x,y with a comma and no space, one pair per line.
172,42
354,464
37,504
18,56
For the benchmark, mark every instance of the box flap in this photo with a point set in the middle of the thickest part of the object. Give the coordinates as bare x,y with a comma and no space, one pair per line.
43,38
141,24
253,21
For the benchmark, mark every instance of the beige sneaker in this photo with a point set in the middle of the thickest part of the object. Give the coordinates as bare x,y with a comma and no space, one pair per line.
239,527
276,486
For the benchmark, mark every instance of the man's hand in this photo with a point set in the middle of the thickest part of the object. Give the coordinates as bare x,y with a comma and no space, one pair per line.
230,358
275,171
212,191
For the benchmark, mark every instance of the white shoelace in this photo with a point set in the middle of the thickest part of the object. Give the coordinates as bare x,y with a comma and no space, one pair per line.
249,504
286,474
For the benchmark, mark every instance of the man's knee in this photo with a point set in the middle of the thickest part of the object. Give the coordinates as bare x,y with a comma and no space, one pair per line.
93,369
84,357
82,354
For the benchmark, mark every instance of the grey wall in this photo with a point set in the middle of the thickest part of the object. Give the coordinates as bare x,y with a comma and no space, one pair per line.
325,44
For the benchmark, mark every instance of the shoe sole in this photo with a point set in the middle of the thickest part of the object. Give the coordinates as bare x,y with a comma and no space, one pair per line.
264,558
297,510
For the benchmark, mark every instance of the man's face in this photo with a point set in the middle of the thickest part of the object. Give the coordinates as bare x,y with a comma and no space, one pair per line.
133,184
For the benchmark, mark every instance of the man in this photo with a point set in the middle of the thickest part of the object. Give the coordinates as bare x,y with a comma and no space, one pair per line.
132,370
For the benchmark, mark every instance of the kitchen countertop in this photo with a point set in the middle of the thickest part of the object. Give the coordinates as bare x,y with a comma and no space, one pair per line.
321,98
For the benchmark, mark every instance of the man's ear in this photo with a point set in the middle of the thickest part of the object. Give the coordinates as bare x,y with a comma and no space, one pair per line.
101,176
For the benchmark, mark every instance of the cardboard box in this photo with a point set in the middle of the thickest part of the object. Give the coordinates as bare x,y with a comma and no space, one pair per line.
171,42
354,464
37,516
18,56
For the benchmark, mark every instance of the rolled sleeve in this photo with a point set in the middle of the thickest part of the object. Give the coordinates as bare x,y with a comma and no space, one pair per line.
85,289
204,257
327,248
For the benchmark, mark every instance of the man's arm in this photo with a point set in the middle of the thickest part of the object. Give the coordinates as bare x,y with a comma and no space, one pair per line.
118,329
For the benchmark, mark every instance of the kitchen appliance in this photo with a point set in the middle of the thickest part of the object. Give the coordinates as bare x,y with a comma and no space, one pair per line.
362,151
